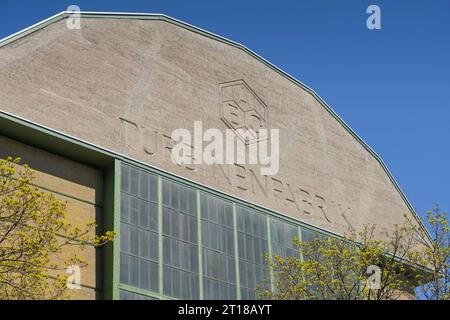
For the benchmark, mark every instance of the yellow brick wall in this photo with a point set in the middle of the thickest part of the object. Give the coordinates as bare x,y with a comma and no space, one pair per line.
81,187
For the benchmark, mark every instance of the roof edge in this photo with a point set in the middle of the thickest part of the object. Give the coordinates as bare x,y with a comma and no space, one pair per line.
158,16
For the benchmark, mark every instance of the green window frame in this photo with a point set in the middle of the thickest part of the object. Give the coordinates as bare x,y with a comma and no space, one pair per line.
224,237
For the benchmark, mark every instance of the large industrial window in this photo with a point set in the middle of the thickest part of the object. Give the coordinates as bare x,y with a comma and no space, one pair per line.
219,268
252,245
139,229
282,235
180,242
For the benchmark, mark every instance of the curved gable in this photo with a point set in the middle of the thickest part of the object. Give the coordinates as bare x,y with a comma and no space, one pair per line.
125,81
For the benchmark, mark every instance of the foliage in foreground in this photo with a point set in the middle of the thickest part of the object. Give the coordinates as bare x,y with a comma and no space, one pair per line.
33,234
436,255
361,266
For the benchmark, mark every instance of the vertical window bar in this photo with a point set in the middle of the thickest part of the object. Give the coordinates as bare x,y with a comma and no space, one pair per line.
199,246
160,232
269,246
116,224
300,239
236,253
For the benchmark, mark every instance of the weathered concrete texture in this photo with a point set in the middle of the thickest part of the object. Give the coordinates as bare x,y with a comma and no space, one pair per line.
117,81
80,187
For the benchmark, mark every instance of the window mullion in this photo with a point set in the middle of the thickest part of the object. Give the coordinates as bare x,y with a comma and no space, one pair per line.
200,247
236,253
160,236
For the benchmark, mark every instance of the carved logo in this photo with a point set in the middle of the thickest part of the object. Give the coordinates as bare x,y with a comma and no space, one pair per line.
241,108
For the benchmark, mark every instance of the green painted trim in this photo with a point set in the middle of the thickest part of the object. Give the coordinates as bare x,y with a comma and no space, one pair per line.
36,27
108,224
116,255
160,238
139,291
299,230
144,292
236,253
161,17
200,245
269,248
56,142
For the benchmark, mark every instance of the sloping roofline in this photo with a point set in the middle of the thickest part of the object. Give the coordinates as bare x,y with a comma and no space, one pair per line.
157,16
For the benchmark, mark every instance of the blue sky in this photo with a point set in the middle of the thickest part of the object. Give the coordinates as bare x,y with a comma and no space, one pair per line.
392,86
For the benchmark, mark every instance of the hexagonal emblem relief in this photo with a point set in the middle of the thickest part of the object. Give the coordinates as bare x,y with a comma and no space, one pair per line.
241,108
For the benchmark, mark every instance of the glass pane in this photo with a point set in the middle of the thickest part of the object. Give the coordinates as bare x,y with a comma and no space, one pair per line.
153,216
138,217
167,281
154,276
174,224
144,244
124,269
144,274
192,202
153,188
176,292
134,242
166,192
143,215
175,247
180,238
166,251
125,207
134,210
184,199
124,237
218,251
125,178
175,196
134,181
153,246
166,221
283,234
308,235
252,244
134,271
144,185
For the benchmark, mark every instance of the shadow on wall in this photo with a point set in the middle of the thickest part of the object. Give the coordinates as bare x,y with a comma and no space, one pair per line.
53,165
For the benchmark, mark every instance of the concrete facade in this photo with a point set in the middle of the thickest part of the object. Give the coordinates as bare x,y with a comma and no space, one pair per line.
125,84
